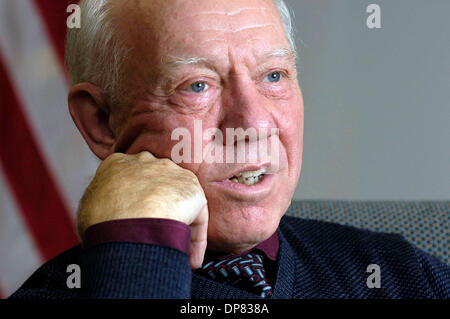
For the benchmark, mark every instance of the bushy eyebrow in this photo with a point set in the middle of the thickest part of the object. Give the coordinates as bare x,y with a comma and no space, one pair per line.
174,61
281,52
171,62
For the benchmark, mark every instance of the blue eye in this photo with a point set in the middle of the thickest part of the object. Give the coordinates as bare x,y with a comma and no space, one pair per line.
199,87
273,77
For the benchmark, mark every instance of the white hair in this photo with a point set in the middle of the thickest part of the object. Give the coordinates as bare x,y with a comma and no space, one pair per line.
94,54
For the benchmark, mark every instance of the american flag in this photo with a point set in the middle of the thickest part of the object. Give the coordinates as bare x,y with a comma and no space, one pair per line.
44,163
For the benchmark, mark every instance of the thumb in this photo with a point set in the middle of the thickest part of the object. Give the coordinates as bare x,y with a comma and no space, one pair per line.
199,233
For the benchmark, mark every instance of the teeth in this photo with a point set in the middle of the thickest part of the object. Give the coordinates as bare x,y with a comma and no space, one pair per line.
253,173
249,177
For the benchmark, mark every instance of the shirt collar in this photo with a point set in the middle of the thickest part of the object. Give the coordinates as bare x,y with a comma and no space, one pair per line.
268,247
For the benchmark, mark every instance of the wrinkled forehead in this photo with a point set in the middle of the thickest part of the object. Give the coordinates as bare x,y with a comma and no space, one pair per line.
160,27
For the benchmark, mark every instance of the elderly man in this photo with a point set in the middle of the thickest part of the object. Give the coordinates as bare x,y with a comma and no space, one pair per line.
153,228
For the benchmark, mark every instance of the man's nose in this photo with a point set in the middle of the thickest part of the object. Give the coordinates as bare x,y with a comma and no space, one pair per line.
244,106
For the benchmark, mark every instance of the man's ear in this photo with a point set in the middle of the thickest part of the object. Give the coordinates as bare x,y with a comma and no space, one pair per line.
90,113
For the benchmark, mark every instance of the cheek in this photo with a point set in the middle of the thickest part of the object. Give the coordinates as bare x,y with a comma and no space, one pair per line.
148,133
153,133
291,136
290,123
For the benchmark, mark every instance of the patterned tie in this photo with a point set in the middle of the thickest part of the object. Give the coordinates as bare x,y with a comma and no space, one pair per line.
245,272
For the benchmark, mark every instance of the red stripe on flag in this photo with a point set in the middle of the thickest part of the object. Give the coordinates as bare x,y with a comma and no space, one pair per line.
54,16
44,212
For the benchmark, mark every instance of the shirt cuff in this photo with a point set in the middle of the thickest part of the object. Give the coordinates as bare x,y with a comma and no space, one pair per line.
155,231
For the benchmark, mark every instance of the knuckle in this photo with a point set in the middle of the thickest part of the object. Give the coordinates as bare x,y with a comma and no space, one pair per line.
114,157
144,155
112,160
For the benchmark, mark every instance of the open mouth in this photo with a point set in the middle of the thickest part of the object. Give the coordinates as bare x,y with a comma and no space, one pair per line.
249,177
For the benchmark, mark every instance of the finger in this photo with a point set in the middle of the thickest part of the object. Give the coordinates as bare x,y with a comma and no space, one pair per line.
199,231
145,155
114,157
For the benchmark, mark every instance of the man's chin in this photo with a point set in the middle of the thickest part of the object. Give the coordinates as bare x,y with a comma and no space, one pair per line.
239,233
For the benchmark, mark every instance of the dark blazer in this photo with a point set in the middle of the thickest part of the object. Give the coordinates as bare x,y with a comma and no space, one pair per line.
316,260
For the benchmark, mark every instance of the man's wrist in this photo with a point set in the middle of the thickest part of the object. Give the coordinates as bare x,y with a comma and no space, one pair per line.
154,231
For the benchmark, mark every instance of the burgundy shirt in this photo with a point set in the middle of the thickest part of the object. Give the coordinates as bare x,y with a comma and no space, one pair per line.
173,234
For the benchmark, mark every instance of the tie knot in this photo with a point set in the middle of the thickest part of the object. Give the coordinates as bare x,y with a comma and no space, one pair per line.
245,272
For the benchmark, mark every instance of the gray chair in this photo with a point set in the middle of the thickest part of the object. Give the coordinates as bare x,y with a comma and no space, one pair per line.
423,223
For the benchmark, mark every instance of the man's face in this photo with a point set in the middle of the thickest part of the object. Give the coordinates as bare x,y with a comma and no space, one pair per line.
223,62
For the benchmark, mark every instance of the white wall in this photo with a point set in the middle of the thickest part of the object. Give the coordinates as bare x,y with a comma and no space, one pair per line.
377,113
